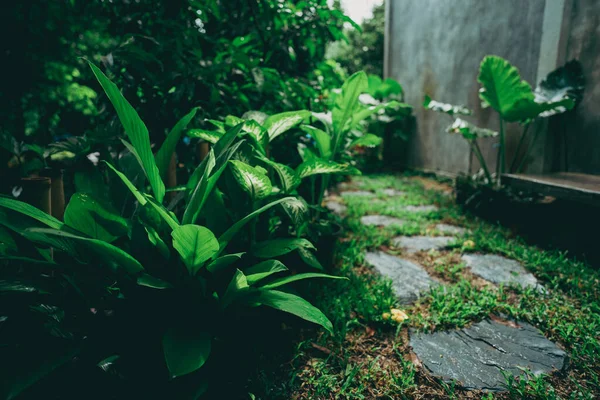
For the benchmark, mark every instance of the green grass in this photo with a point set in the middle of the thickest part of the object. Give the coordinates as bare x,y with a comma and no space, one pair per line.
369,356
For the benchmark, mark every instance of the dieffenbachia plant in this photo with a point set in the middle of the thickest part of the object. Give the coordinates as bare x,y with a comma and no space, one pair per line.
504,91
152,257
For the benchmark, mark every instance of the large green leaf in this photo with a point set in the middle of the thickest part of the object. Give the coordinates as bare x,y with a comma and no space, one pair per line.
512,97
251,180
469,131
237,286
347,104
223,262
287,176
445,108
278,247
97,220
136,193
208,136
186,349
163,156
30,211
283,122
298,277
136,131
317,166
263,270
368,140
195,244
200,192
321,138
226,237
111,255
294,305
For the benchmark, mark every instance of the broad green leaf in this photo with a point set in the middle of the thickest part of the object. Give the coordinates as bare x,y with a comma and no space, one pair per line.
186,349
321,138
7,243
208,136
262,270
287,176
368,140
469,131
283,122
111,255
157,242
153,282
318,166
297,210
237,286
226,237
294,305
445,108
163,156
97,220
195,244
347,103
30,211
166,216
257,133
136,193
251,180
278,247
309,258
136,132
298,277
223,262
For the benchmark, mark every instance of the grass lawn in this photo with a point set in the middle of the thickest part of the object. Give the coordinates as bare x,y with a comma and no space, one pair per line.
370,358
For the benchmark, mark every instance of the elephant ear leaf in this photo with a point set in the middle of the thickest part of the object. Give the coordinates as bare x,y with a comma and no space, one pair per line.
251,180
186,349
505,91
136,132
195,244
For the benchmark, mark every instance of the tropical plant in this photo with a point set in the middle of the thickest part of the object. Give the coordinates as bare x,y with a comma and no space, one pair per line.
171,283
514,100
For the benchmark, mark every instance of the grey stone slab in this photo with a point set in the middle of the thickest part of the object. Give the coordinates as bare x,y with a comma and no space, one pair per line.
451,229
408,279
381,220
419,209
498,269
412,244
476,356
336,207
357,193
393,192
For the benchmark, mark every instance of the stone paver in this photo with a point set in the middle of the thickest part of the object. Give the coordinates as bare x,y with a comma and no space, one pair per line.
498,269
381,220
336,207
476,356
393,192
357,193
408,279
412,244
451,229
419,209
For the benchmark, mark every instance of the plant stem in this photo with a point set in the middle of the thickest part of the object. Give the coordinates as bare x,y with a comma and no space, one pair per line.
530,147
500,160
521,141
477,151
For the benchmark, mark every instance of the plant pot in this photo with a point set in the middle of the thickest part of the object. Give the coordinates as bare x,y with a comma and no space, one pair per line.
329,235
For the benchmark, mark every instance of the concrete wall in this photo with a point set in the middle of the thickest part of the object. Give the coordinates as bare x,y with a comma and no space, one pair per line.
434,47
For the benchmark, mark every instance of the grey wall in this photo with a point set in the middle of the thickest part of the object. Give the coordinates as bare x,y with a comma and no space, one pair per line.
583,129
435,46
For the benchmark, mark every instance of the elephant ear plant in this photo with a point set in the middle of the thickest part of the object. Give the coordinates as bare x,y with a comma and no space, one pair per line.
514,100
112,290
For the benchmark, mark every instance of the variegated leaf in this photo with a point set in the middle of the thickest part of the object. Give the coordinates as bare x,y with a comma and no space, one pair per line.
318,166
283,122
209,136
251,179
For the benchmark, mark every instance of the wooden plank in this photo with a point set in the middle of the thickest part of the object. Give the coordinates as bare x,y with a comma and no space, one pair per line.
566,185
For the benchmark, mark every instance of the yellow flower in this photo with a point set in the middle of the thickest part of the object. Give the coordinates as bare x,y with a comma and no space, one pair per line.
386,315
398,315
468,245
